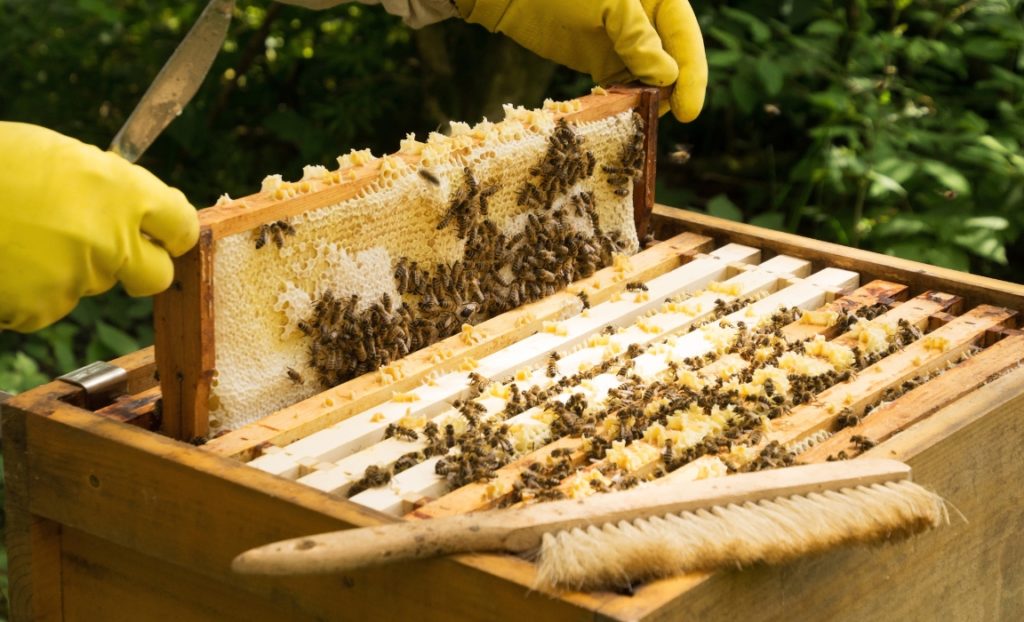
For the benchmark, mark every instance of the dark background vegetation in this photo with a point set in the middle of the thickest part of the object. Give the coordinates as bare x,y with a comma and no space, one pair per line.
892,125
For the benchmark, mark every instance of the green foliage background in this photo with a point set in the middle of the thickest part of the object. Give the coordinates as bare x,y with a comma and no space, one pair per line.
893,125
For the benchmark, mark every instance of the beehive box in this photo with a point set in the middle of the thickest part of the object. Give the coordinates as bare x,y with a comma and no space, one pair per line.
109,519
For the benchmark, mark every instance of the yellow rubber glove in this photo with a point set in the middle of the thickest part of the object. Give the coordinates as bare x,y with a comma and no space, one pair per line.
74,220
657,42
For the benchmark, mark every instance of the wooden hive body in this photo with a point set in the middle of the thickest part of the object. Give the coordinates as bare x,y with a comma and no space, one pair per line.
109,519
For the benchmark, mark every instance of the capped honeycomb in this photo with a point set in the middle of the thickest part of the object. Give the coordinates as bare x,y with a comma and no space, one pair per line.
490,217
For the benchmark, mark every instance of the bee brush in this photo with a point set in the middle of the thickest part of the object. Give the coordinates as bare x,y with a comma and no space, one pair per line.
619,538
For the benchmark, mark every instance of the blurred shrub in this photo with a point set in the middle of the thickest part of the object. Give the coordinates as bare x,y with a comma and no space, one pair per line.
895,126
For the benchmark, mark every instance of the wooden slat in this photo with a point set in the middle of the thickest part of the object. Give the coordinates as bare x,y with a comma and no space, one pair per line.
474,497
920,402
112,583
878,290
183,325
141,368
33,542
919,276
367,427
874,292
138,409
643,186
333,405
916,311
421,481
868,385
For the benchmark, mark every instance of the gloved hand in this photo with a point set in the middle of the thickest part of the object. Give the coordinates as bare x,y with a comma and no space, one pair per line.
657,42
74,220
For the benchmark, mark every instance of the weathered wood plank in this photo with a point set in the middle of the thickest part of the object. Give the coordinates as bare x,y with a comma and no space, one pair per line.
920,402
643,187
138,409
105,581
183,326
33,543
919,276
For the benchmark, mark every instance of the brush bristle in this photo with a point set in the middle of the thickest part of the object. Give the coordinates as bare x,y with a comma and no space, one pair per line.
770,531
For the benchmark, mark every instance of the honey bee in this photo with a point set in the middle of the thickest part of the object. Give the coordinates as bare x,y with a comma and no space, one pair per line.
484,195
449,433
680,154
400,431
862,443
276,235
846,419
429,176
295,376
407,461
261,236
552,367
373,477
636,286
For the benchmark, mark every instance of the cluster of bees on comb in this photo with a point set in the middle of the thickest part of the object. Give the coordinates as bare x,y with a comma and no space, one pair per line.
497,272
654,412
274,231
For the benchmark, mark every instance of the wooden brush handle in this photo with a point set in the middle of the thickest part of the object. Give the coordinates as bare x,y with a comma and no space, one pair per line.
340,551
521,529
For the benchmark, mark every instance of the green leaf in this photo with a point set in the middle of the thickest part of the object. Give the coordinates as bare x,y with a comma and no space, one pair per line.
743,91
724,59
826,27
60,338
770,220
727,39
983,243
759,31
946,175
115,339
899,169
925,250
833,100
994,223
993,143
722,207
771,76
101,9
901,225
986,48
882,185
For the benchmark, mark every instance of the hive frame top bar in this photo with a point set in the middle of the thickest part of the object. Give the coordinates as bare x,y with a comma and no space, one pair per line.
184,314
246,213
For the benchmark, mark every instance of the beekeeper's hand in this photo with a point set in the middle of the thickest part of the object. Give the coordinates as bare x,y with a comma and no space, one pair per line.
657,42
74,220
